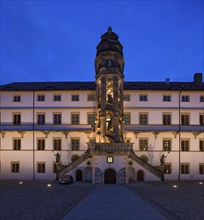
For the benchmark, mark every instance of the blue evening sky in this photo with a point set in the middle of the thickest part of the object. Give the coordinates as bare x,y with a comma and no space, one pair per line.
56,40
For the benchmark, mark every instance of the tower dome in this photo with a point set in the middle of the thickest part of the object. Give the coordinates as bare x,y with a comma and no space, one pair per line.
109,55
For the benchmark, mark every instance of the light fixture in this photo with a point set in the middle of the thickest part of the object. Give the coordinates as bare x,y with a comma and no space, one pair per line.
200,183
49,185
20,182
175,186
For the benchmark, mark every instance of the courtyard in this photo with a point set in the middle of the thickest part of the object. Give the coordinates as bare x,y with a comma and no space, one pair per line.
43,200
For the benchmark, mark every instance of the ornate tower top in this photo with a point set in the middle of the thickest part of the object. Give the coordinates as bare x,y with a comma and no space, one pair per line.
109,42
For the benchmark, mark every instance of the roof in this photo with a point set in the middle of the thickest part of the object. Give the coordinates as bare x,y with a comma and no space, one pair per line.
49,86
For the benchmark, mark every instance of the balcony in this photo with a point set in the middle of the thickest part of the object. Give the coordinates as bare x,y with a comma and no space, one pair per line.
110,147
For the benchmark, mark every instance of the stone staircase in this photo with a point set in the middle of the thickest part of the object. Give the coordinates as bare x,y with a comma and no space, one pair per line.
147,166
74,164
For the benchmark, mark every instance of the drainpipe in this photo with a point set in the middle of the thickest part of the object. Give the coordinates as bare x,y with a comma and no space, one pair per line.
33,135
179,175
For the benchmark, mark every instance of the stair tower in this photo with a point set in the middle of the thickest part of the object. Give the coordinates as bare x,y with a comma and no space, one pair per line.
109,66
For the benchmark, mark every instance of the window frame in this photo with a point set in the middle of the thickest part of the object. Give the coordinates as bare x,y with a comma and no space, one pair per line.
166,97
143,98
126,97
16,98
125,118
201,119
91,120
40,98
75,118
185,98
184,146
201,168
15,167
57,143
57,98
185,119
17,143
201,145
41,144
41,167
76,142
75,98
185,168
41,118
91,97
165,147
145,147
167,168
166,118
57,118
142,120
16,118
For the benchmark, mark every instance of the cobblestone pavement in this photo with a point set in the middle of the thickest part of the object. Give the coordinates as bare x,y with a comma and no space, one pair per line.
186,201
36,201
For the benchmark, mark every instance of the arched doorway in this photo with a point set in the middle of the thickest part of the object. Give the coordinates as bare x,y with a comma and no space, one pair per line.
79,175
110,176
140,175
88,174
131,174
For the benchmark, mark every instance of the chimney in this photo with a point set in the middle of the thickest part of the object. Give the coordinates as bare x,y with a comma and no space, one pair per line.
198,79
167,80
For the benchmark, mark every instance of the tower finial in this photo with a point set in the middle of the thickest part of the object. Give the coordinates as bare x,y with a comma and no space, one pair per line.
109,29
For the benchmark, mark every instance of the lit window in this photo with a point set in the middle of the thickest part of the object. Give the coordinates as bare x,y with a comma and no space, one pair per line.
109,159
75,143
57,144
185,168
75,98
40,98
41,144
143,98
16,143
167,168
143,118
126,97
41,167
185,145
57,118
91,98
15,167
57,98
167,144
166,98
91,118
16,98
185,119
41,118
185,98
16,118
143,144
75,118
127,118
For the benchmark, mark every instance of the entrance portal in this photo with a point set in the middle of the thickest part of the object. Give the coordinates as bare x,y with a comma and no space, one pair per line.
110,176
79,175
140,175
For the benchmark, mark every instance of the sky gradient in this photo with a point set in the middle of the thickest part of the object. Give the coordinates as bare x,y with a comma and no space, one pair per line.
56,40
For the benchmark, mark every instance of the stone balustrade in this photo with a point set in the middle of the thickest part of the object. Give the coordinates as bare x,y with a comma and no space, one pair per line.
110,147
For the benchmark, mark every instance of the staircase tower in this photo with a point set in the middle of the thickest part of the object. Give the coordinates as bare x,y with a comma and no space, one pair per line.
109,66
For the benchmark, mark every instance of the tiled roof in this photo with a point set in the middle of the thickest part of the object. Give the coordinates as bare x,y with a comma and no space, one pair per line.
48,86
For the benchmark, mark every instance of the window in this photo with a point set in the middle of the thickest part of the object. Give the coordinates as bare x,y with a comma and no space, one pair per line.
201,168
167,144
57,118
54,167
201,145
16,98
109,159
185,145
185,168
75,118
167,168
185,98
127,118
91,98
202,98
166,98
16,143
57,98
40,118
75,98
40,98
41,143
143,98
16,118
75,142
41,167
166,118
201,119
185,119
143,144
126,97
143,118
91,118
15,167
57,143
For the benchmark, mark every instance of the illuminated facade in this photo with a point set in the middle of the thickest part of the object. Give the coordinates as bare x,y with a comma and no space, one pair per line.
107,131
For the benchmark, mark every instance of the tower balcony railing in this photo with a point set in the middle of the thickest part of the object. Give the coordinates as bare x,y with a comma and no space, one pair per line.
110,147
